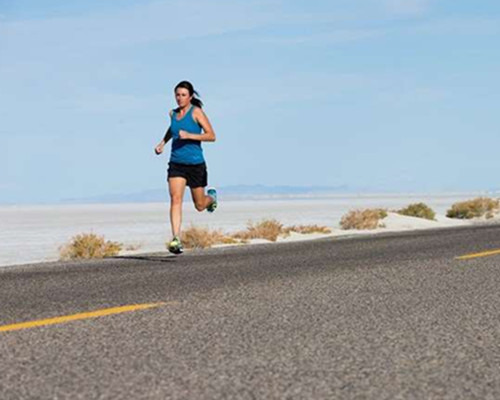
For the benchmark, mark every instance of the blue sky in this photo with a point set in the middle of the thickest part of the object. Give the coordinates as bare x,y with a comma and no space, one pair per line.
384,95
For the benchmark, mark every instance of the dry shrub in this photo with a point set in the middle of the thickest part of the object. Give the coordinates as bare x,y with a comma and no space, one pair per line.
268,229
306,229
88,245
363,219
478,207
231,240
201,238
419,210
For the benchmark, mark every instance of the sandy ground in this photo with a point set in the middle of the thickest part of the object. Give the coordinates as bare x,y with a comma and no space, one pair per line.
35,233
396,223
392,223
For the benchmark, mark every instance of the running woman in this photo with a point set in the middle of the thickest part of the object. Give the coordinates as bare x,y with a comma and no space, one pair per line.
189,126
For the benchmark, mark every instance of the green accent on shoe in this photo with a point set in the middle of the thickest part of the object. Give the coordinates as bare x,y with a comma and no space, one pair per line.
212,192
175,246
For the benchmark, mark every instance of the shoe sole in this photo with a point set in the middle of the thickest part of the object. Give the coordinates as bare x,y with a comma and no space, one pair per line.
176,251
212,206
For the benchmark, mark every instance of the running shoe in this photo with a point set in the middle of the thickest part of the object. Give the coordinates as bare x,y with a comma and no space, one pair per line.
213,194
175,246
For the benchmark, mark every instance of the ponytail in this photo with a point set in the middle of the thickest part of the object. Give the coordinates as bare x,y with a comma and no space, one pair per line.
195,100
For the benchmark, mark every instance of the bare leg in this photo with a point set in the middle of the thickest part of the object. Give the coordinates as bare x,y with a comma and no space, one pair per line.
176,188
200,199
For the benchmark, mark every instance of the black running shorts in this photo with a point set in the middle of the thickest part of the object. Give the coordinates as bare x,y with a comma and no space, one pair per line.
195,175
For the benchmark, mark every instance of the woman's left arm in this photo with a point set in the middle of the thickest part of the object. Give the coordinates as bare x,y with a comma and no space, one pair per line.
208,134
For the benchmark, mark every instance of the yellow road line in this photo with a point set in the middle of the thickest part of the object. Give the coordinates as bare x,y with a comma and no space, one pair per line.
482,254
74,317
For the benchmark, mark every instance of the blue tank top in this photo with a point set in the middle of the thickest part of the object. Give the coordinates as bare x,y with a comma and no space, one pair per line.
185,151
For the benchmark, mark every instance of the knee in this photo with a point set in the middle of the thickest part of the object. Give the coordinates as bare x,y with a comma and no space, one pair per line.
176,200
199,206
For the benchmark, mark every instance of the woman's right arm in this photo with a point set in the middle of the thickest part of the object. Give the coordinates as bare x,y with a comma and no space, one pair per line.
166,138
159,147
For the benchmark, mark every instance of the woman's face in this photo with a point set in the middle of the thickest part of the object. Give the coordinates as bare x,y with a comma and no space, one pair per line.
182,97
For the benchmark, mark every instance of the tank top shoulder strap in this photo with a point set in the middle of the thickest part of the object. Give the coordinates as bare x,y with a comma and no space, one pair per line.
191,112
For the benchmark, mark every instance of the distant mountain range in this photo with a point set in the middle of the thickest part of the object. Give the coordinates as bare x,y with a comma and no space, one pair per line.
227,192
243,192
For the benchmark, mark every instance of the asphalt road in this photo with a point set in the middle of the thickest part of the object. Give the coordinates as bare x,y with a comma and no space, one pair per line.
383,317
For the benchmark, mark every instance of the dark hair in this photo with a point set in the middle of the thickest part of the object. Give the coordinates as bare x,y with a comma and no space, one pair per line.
195,101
